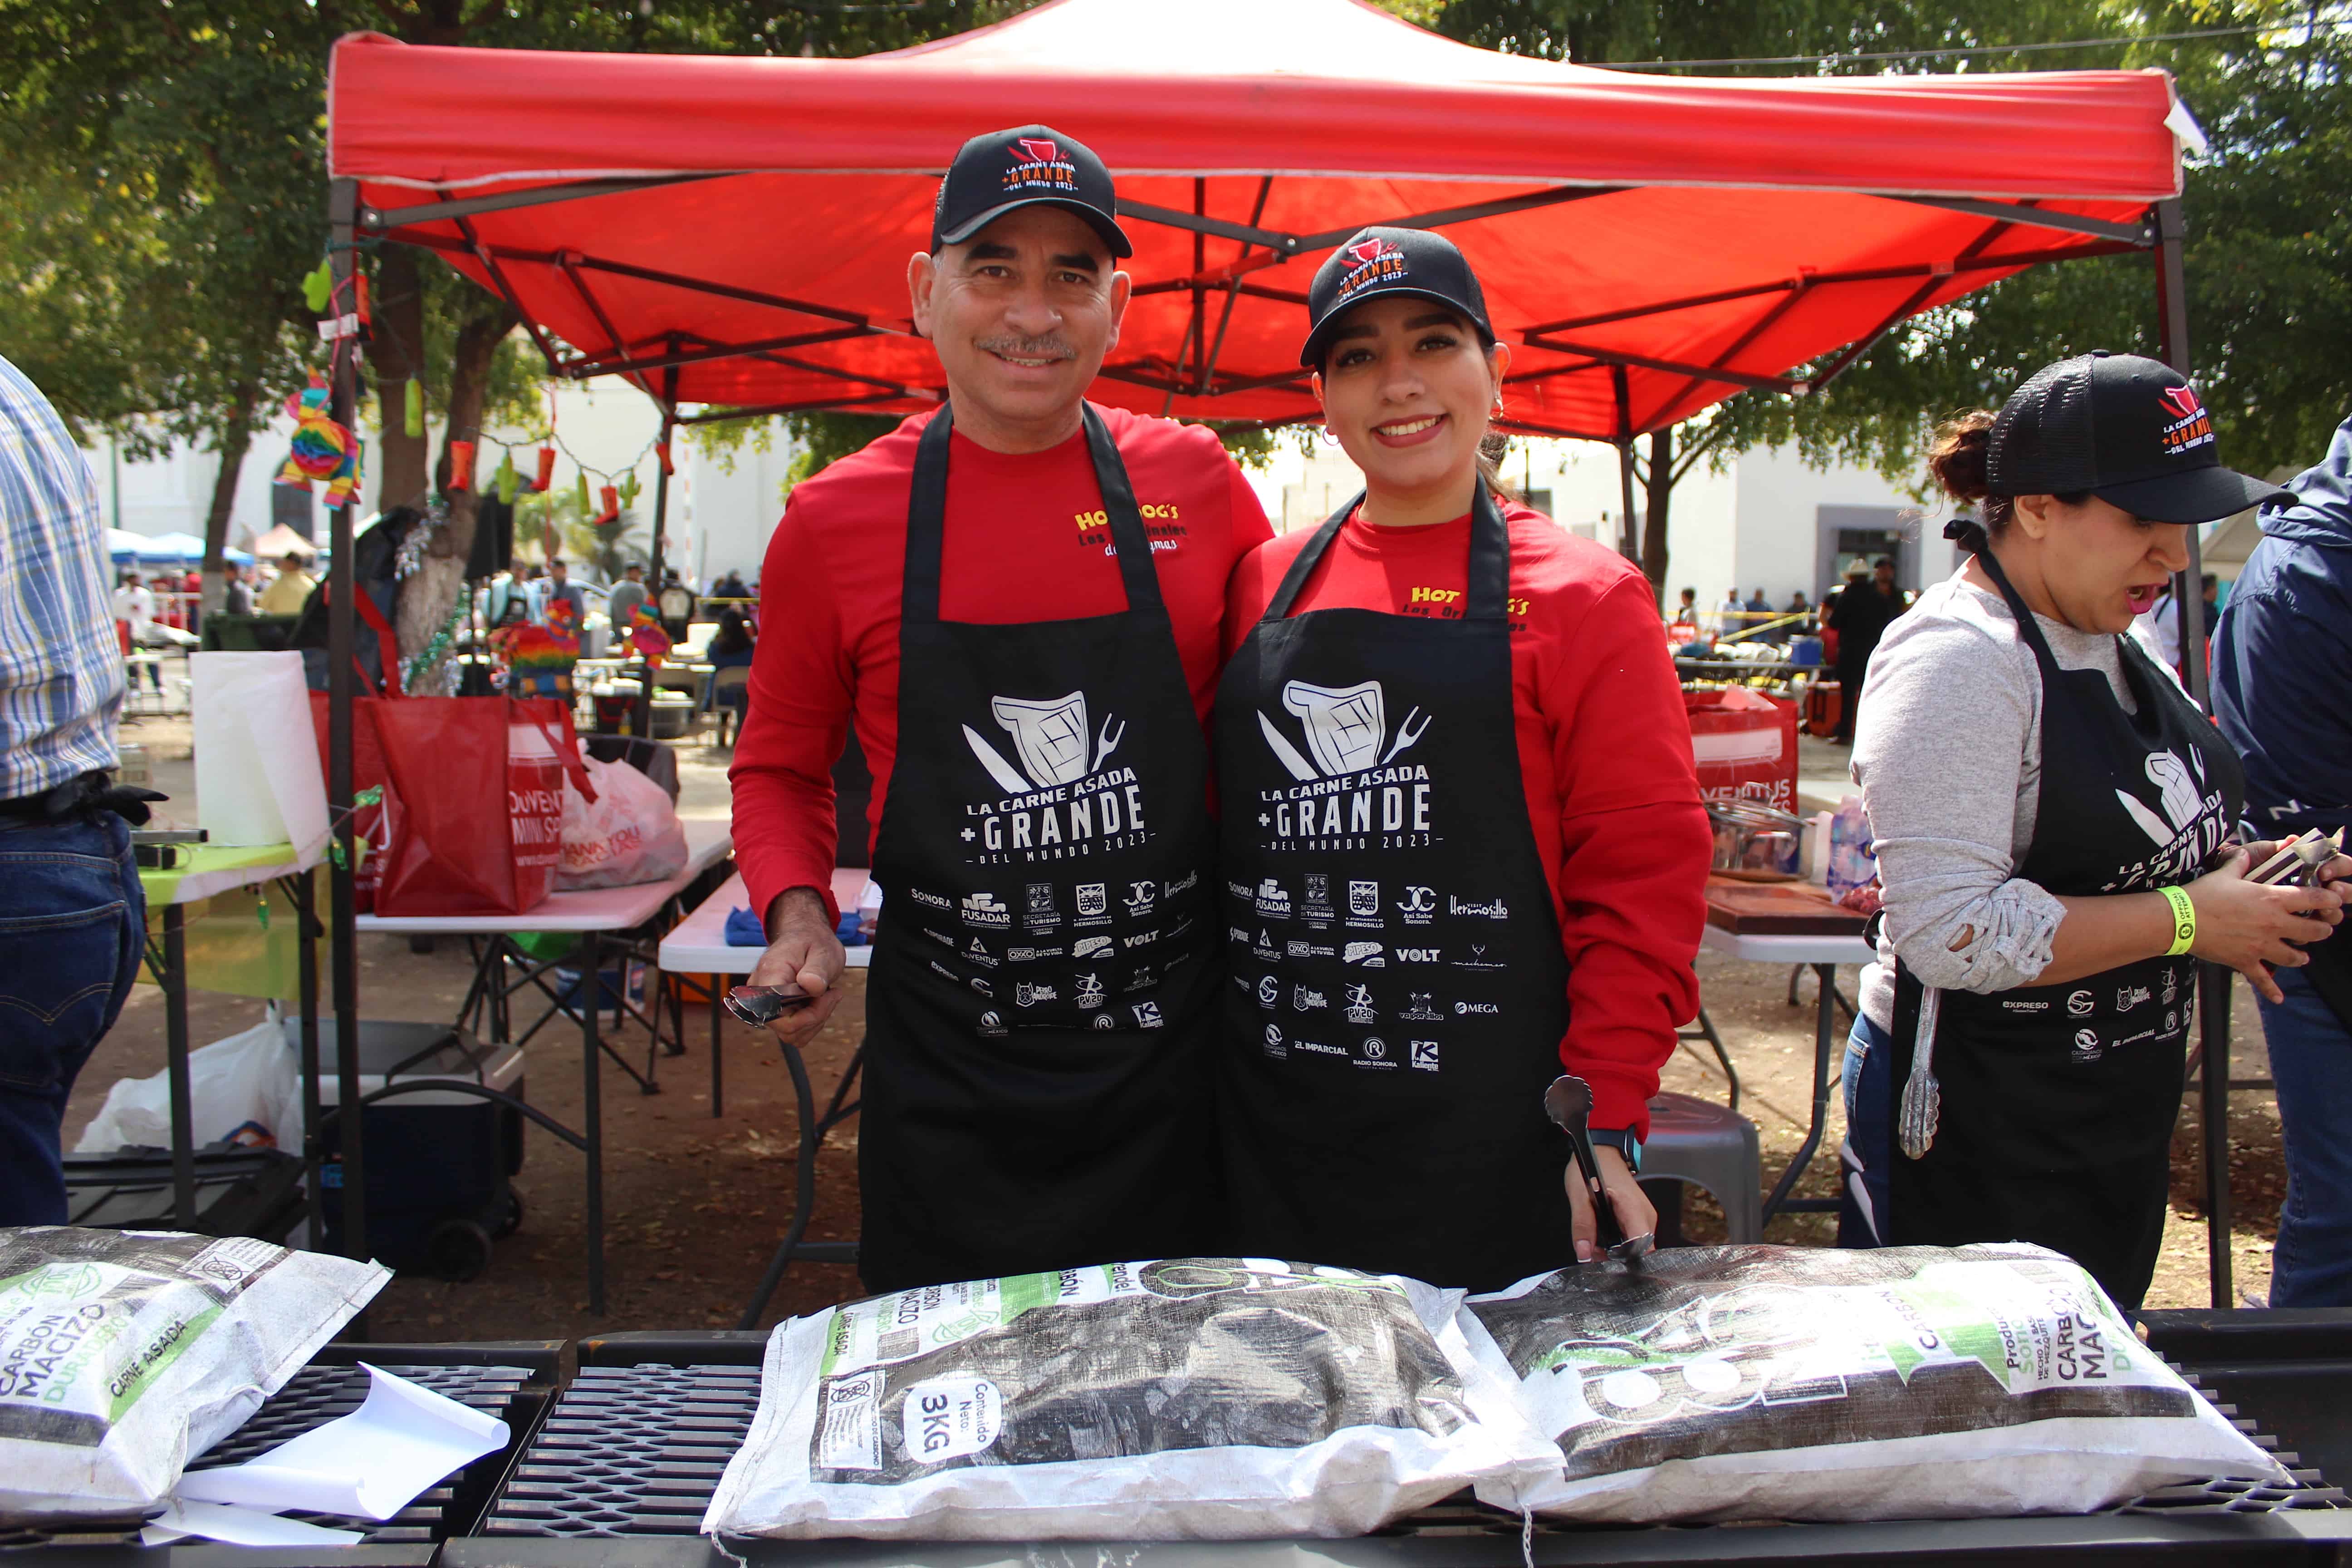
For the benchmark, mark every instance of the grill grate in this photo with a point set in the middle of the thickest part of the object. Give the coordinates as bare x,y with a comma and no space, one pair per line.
632,1450
312,1397
638,1450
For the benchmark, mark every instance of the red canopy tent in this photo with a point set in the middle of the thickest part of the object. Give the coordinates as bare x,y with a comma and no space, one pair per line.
732,233
1652,244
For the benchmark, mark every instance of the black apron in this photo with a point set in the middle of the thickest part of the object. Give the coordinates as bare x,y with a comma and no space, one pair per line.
1040,1011
1398,989
2058,1102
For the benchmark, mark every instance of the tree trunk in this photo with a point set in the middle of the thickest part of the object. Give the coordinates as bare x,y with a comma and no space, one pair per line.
235,441
427,597
1658,492
398,356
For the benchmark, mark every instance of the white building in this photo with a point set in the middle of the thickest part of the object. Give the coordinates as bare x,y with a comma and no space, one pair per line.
1766,520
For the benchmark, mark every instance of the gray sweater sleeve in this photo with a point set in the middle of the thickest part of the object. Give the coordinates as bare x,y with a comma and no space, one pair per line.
1947,752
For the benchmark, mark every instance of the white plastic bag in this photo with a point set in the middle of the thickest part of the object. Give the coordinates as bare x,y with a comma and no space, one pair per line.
251,1077
1759,1383
1184,1399
628,834
123,1355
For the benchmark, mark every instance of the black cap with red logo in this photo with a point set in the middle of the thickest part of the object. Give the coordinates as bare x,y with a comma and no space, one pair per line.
1029,167
1380,261
2128,429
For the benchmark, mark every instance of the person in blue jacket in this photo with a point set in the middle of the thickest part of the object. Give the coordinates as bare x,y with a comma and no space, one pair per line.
2282,693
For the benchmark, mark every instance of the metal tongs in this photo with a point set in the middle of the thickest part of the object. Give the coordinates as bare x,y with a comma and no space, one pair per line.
1568,1102
2297,861
763,1005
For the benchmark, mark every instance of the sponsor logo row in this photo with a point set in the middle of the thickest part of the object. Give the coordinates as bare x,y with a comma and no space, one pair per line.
1357,1004
1370,1053
1416,904
1041,909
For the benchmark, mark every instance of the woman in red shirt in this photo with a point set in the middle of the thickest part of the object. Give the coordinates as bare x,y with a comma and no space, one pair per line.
1463,841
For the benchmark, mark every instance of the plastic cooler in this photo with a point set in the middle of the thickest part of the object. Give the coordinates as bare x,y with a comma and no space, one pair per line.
1745,744
440,1158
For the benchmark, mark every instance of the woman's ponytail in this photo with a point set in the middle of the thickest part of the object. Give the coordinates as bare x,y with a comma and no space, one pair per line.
1960,460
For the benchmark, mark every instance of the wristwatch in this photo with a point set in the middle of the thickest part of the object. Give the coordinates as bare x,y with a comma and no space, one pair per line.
1620,1139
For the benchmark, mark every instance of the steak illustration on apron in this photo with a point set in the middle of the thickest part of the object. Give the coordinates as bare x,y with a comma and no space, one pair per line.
1398,991
1040,1010
2056,1104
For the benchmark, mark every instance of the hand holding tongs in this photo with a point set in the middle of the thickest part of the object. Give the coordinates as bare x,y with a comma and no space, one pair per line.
763,1005
1568,1102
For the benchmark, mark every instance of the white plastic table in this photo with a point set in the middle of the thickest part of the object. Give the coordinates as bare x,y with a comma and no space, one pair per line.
211,870
1823,953
597,916
698,944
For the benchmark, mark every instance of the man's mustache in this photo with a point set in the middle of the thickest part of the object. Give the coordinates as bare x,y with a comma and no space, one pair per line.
1028,348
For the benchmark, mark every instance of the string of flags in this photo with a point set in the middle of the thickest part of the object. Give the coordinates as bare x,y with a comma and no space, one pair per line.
325,449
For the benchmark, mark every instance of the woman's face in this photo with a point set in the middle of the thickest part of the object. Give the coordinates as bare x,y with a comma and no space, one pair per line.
2101,565
1405,388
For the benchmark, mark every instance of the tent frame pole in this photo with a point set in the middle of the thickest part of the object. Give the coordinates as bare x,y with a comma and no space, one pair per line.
1629,542
343,966
2214,982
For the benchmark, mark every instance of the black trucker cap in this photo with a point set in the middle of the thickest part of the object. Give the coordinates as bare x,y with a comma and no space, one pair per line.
1380,261
2130,430
1029,167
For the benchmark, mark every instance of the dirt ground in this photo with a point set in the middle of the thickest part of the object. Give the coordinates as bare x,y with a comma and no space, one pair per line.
695,1204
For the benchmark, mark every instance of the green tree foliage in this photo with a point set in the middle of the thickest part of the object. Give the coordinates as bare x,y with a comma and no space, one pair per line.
2269,255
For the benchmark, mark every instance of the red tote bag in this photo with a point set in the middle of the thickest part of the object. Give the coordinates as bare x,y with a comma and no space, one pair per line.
376,824
480,785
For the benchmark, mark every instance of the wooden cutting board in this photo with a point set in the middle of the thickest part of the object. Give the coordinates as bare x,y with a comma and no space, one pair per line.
1777,908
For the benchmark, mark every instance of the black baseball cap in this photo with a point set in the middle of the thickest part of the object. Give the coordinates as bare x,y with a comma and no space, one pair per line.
2131,430
1381,261
1030,166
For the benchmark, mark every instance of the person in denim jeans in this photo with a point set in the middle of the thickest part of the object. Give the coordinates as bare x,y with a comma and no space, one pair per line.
72,918
72,924
2283,695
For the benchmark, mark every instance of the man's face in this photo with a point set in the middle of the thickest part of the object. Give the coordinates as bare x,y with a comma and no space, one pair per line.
1021,314
561,573
1884,575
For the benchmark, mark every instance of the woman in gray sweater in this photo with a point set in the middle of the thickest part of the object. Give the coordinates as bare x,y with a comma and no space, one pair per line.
2051,816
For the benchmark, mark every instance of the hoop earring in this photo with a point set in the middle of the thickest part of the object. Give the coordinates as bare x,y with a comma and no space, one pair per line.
1324,433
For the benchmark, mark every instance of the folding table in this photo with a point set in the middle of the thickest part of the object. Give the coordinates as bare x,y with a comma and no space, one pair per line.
210,869
1790,923
597,916
698,945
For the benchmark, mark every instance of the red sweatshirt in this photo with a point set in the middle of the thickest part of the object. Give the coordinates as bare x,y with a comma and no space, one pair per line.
1025,540
1604,762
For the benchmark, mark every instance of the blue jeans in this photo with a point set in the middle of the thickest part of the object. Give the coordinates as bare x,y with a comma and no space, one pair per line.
2311,1062
1869,1136
73,922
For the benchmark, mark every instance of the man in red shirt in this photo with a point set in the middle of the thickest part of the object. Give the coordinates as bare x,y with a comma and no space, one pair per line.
1017,602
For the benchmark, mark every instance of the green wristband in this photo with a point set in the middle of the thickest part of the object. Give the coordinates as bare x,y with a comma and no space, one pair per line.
2184,921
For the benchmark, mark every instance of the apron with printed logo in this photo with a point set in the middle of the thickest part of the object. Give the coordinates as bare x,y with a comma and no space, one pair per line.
1039,1012
2057,1102
1398,992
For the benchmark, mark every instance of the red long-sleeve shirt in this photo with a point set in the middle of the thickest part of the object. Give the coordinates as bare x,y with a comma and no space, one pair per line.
1025,540
1604,762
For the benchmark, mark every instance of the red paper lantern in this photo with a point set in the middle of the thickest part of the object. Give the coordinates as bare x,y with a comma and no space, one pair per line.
461,466
546,469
